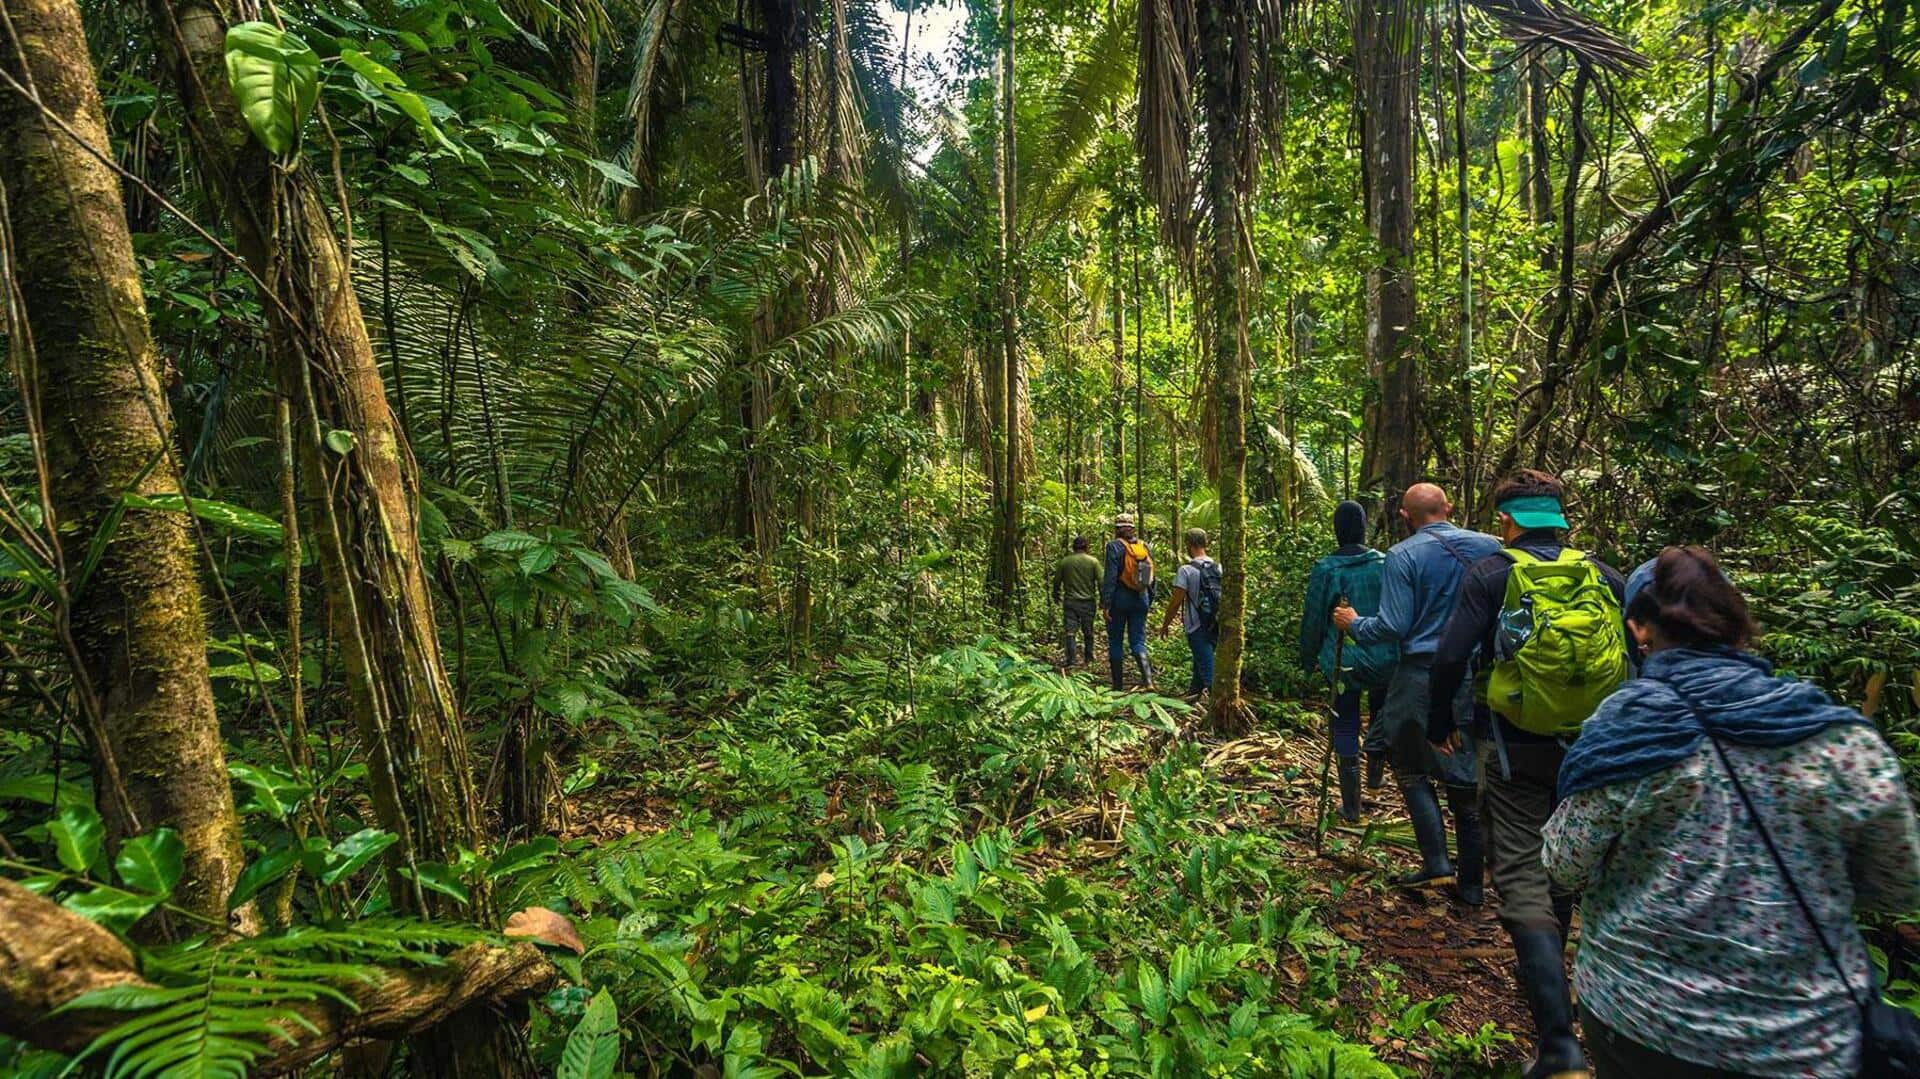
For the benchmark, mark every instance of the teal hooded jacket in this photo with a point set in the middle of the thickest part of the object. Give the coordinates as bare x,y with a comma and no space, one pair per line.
1356,575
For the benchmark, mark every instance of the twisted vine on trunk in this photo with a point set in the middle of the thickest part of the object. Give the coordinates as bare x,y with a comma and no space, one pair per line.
362,494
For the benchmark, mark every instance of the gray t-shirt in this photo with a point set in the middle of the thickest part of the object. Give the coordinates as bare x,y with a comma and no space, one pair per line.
1187,579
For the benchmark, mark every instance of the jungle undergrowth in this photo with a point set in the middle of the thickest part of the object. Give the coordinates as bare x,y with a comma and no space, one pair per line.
1019,872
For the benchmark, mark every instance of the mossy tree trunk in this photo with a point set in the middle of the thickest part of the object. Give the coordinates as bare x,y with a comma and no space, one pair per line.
91,380
362,494
1230,356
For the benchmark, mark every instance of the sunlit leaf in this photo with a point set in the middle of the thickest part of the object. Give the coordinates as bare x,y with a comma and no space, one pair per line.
275,79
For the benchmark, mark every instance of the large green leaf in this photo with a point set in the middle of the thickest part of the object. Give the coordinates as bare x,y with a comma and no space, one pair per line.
111,907
274,793
394,88
438,877
77,837
276,81
593,1049
524,856
152,863
261,872
355,851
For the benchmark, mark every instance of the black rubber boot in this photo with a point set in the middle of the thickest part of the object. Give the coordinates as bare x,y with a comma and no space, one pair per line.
1469,845
1146,671
1349,766
1423,809
1376,771
1543,981
1119,677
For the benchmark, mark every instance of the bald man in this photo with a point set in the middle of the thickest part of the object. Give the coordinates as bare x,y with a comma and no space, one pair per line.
1423,574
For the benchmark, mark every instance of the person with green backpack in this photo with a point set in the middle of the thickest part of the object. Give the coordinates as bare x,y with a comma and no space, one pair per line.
1353,574
1545,621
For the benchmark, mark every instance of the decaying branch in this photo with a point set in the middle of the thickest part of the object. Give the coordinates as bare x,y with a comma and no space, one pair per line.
50,955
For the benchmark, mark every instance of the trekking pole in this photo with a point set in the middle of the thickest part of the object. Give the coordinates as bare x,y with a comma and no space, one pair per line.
1326,756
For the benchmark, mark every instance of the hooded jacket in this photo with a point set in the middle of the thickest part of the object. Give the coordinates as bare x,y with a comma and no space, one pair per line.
1356,574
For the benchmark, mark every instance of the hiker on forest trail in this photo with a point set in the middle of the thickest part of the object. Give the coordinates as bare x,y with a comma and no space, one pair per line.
1700,954
1126,591
1351,575
1196,599
1545,620
1422,574
1076,588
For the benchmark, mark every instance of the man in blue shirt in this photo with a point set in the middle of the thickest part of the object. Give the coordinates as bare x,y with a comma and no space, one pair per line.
1422,574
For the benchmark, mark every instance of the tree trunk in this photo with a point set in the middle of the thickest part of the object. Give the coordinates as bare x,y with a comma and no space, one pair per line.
1231,714
780,30
1116,302
364,502
1538,176
92,383
1012,379
1387,74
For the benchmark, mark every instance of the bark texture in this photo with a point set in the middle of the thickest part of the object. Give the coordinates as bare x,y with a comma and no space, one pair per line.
364,501
1231,714
1012,381
1386,54
93,379
52,955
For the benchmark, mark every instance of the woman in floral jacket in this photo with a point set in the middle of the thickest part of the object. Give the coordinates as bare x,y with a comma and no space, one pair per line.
1695,959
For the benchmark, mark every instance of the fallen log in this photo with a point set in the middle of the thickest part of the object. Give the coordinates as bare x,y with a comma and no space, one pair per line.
50,956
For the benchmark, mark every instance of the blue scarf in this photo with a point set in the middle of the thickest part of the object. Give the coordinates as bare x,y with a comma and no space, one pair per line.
1646,726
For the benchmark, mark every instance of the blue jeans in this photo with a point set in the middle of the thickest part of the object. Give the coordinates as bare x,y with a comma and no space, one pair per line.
1128,614
1346,719
1202,649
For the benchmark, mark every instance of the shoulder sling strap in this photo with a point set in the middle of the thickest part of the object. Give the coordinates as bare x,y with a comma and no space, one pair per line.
1773,852
1452,550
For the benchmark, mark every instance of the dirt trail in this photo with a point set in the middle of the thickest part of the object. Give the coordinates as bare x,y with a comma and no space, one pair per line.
1436,945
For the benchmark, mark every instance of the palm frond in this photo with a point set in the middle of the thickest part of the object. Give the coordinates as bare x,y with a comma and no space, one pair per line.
659,40
1078,108
219,1009
1163,115
1551,22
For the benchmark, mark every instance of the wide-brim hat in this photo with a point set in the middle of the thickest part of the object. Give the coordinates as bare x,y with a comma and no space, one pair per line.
1124,520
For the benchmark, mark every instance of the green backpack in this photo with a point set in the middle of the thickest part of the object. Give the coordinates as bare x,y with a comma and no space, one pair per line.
1560,647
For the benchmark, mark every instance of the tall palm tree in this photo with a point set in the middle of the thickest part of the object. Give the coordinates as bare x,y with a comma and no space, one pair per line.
1226,47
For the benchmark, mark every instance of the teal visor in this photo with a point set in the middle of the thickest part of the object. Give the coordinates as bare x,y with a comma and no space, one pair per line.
1535,511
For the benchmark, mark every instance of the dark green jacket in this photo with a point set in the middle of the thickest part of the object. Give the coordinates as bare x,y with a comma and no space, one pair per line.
1355,573
1076,576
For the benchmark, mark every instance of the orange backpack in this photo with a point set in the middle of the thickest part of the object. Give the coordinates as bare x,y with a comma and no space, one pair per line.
1136,566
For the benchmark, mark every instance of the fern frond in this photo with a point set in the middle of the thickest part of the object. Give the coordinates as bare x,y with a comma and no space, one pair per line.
218,1009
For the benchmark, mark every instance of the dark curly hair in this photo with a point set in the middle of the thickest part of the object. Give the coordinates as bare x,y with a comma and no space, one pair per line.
1529,483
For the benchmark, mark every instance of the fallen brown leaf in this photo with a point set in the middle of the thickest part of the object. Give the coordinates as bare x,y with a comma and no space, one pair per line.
545,926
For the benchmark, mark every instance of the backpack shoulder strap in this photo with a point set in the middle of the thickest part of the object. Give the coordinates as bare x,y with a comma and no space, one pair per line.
1465,562
1519,557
